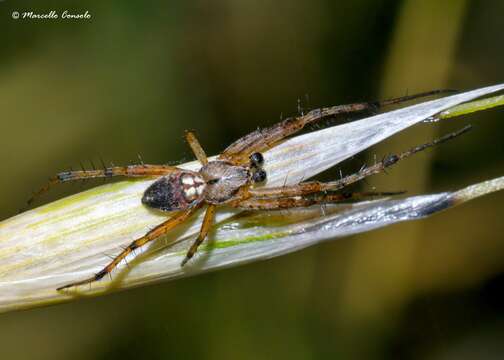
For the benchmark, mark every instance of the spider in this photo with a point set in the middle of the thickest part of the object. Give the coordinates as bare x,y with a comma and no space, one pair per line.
230,179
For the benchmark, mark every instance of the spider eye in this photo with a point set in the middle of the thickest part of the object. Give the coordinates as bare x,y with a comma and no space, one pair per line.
256,159
259,176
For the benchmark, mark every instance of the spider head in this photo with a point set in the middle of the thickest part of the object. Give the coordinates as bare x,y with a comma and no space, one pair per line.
256,163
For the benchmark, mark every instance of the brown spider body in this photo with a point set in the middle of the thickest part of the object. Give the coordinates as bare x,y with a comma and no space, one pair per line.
229,180
217,182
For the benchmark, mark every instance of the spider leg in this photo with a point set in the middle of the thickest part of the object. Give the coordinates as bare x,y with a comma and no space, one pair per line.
301,200
205,227
128,171
196,147
151,235
311,187
261,140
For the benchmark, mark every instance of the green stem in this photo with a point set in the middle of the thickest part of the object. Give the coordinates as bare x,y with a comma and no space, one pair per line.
473,106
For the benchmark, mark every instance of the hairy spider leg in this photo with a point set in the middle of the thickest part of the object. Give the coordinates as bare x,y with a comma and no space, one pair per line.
205,227
150,236
261,140
307,200
311,187
196,147
128,171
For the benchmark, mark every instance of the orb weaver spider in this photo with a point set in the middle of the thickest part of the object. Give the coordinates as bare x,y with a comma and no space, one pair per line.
229,180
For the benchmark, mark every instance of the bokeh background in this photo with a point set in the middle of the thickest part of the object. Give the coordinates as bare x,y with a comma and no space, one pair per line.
132,78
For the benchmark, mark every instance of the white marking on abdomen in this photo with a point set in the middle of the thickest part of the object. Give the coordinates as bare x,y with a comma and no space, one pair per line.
190,192
187,180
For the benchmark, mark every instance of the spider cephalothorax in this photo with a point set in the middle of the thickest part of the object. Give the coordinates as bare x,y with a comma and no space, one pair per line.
229,180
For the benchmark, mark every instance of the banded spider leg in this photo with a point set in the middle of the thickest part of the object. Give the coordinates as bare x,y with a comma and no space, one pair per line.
261,140
142,170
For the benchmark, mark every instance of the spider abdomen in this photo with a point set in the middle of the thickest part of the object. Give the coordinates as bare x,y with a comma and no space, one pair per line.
176,191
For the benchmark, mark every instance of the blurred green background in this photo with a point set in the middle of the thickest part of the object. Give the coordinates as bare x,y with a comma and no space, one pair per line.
132,78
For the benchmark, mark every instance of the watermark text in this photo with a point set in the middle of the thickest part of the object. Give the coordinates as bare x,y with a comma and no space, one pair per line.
52,15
